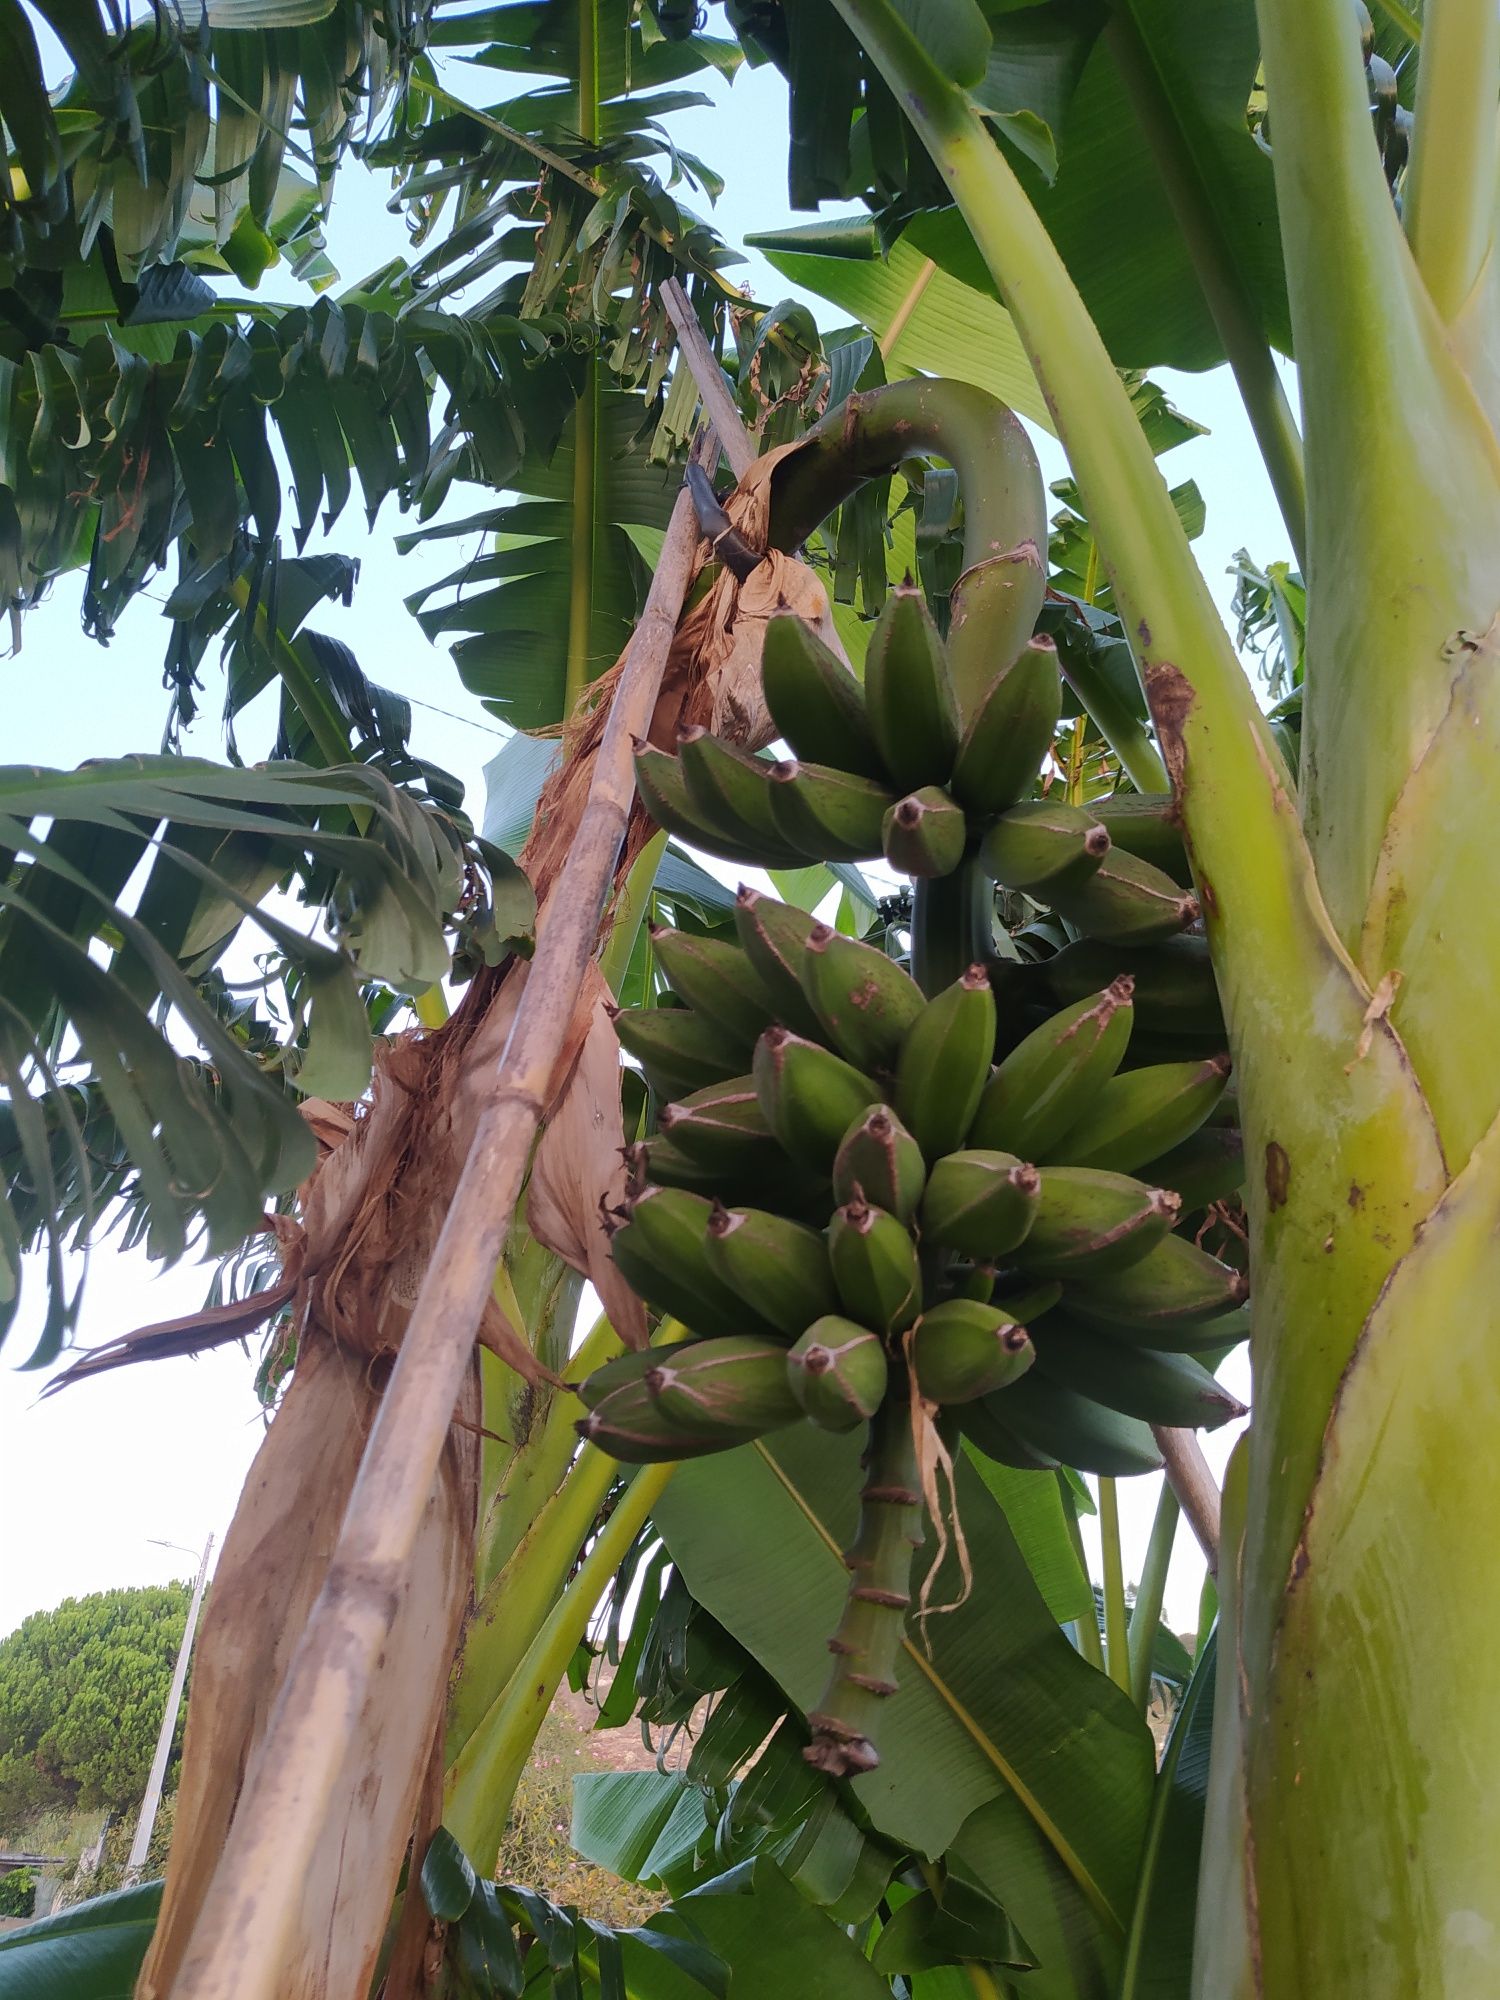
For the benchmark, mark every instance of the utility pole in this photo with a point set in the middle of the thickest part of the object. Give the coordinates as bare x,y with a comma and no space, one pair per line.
147,1821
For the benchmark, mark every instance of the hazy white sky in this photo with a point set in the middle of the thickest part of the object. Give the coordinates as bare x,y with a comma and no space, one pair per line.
91,1476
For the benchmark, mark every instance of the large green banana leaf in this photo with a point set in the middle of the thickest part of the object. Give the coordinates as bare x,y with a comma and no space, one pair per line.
90,1951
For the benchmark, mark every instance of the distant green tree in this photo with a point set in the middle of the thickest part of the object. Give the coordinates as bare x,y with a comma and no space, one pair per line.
82,1690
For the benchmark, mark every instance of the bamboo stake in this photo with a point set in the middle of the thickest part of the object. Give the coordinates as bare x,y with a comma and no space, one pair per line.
718,404
1190,1479
246,1923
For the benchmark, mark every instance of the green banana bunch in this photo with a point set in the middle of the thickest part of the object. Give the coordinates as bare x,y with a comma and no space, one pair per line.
1088,1223
717,981
1173,1288
909,696
1048,1082
838,1372
774,938
678,1050
781,1265
1146,825
980,1203
1159,1388
1060,1426
1010,732
1140,1114
731,790
1125,901
925,834
810,1096
880,1162
960,1350
825,813
1044,845
864,1002
944,1064
685,1401
875,1267
815,701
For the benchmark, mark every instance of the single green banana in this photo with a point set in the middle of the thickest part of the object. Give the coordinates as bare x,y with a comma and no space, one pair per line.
925,834
1174,982
1125,901
969,1281
717,981
1075,1430
838,1372
678,1049
1208,1167
988,1432
1025,1306
1088,1223
724,1127
661,1246
810,1096
729,1383
909,697
1004,746
828,814
1043,844
779,1185
815,701
875,1267
880,1162
992,608
1207,1341
961,1350
1047,1083
980,1203
1141,1113
1158,1388
1147,826
864,1001
775,936
781,1265
662,784
1175,1284
944,1064
629,1424
732,790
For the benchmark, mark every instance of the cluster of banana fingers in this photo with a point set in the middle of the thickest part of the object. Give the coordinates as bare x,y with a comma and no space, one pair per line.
843,1183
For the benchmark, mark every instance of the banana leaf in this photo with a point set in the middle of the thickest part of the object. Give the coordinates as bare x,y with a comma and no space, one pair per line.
89,1951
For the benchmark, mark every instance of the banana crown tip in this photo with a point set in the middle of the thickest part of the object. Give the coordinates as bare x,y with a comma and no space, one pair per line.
746,897
1025,1178
690,732
1014,1338
975,979
1096,841
909,812
820,937
1121,990
858,1214
1166,1201
785,769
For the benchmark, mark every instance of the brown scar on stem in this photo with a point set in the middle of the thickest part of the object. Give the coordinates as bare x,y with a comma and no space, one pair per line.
1278,1174
1171,696
1356,1195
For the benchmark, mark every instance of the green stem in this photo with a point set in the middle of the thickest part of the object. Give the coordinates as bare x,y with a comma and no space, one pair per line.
868,1644
1448,204
482,1785
1121,729
1089,1643
1145,1614
631,904
952,926
1208,243
588,70
1116,1638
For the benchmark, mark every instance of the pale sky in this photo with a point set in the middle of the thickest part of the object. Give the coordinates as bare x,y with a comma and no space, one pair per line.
91,1476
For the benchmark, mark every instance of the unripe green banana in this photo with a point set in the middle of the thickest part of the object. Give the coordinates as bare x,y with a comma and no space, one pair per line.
810,1096
662,784
724,1127
782,1266
1025,1306
1175,1284
980,1203
1088,1223
815,701
731,1383
909,698
1207,1341
1004,746
775,936
875,1267
925,834
880,1162
778,1184
1042,844
661,1245
864,1001
717,981
1209,1166
969,1281
1141,1113
1174,982
1047,1083
1073,1429
992,610
1146,825
987,1430
945,1064
960,1350
838,1372
828,814
678,1050
732,790
1125,901
1158,1388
